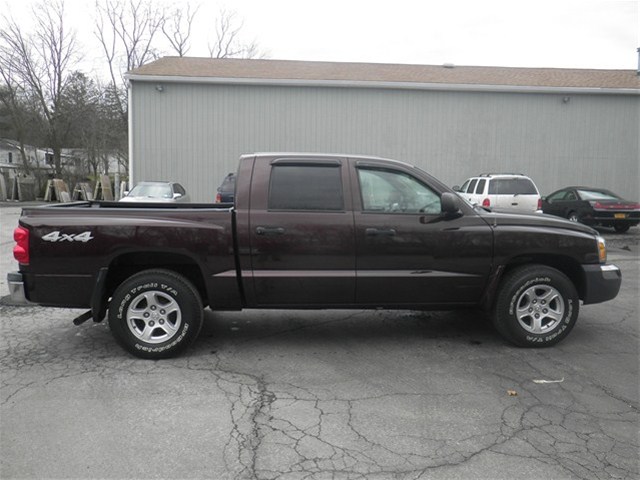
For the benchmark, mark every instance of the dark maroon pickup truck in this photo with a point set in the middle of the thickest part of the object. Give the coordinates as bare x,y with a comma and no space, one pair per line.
309,232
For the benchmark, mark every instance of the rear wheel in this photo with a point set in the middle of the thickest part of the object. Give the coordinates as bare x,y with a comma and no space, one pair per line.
573,217
621,228
536,306
155,314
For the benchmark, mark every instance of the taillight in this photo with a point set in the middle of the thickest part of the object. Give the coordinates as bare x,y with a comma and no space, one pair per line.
21,249
218,198
596,204
539,204
486,202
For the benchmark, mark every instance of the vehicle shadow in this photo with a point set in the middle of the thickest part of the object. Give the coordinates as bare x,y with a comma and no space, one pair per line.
280,328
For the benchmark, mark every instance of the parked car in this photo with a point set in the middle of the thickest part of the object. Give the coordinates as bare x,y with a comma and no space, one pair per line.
502,191
227,190
593,206
157,192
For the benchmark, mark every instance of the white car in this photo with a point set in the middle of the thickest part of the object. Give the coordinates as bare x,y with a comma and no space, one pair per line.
502,191
157,192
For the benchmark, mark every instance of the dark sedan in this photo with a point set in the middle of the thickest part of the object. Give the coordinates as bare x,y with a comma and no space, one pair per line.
593,206
227,190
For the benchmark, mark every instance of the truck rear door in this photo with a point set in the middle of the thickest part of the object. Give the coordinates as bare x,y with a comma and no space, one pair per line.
301,232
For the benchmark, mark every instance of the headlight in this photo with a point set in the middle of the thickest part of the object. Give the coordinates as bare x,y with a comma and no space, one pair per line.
602,249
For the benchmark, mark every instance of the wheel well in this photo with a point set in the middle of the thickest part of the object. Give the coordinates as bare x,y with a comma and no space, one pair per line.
570,267
124,266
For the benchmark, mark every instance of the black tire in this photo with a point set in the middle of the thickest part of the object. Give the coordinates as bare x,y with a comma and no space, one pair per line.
621,228
536,306
155,314
573,217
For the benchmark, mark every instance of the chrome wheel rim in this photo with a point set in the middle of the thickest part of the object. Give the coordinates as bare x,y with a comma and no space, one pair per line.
573,217
154,317
540,309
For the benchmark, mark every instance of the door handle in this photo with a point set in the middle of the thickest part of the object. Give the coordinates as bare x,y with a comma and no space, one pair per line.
380,232
269,231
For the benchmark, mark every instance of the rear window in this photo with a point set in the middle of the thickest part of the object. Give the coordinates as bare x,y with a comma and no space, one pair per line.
303,187
512,186
597,195
228,184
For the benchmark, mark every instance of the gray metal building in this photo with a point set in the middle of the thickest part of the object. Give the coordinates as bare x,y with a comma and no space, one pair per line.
191,118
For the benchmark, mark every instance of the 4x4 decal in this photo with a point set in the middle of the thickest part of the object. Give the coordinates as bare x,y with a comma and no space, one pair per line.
56,236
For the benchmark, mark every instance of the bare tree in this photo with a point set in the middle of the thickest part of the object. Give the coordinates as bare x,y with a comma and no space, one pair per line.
41,62
126,30
228,43
177,29
16,113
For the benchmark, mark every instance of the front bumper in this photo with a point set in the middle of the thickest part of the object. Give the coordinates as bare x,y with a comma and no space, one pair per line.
16,288
602,283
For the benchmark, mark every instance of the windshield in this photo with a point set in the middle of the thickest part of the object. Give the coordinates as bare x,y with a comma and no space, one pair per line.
156,190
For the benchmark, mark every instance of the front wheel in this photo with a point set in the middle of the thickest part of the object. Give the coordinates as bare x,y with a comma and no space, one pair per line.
621,228
536,306
155,314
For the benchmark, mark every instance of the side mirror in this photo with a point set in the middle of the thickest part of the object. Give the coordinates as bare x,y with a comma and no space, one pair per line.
456,188
450,204
176,196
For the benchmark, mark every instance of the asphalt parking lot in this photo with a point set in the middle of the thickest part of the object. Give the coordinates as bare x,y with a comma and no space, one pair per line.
335,395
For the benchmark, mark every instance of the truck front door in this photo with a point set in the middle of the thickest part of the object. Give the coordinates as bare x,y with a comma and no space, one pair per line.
407,254
302,233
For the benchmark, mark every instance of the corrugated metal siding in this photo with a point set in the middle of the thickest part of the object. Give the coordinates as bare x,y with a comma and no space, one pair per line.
194,133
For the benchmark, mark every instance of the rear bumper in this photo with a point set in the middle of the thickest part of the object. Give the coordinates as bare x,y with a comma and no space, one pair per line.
602,283
608,218
16,288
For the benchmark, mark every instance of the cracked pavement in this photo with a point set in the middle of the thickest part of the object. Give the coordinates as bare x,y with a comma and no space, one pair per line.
322,395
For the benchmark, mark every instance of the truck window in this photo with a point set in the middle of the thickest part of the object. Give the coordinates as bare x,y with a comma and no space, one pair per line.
395,192
306,187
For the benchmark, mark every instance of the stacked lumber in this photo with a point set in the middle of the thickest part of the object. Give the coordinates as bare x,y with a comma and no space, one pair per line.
57,191
103,189
23,189
82,191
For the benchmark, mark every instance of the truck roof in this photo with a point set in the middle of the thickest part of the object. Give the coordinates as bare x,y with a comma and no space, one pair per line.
323,155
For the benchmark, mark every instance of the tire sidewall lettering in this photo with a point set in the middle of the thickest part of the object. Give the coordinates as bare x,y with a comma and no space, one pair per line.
166,347
161,283
131,295
564,324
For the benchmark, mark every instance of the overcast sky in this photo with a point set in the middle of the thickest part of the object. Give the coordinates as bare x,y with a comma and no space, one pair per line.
517,33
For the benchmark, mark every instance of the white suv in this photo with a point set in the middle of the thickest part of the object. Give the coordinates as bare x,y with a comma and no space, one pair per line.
502,191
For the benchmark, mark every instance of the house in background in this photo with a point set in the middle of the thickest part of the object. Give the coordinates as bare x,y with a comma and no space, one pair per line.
11,158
